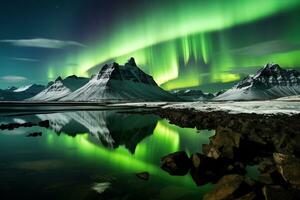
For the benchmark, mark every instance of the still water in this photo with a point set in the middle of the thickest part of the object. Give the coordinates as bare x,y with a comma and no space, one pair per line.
95,155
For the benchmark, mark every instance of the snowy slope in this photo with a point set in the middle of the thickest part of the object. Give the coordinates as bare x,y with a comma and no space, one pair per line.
121,83
268,83
59,88
55,91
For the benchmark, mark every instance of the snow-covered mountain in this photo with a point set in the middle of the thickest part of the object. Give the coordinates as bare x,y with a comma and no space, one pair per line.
192,95
60,88
268,83
21,93
117,82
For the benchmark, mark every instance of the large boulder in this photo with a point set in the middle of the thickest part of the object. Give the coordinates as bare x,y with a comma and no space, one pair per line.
289,167
177,163
232,186
206,169
224,144
268,172
249,196
276,192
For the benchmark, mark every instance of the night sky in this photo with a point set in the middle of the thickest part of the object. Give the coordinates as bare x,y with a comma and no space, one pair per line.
182,44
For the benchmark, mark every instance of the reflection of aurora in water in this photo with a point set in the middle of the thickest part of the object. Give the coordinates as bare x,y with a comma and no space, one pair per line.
69,155
166,138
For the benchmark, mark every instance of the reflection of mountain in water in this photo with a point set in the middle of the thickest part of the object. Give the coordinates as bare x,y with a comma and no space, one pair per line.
109,127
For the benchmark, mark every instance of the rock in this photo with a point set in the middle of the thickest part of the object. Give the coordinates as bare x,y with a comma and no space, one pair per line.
28,124
143,175
12,126
249,196
44,123
289,167
224,144
266,165
276,192
206,169
230,187
177,163
34,134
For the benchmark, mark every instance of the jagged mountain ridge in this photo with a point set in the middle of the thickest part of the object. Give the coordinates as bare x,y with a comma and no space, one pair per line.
268,83
192,94
116,82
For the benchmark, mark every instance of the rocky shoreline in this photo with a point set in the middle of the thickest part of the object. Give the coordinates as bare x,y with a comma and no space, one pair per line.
269,142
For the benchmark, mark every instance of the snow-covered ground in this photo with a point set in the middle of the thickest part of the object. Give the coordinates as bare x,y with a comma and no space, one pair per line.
290,98
258,107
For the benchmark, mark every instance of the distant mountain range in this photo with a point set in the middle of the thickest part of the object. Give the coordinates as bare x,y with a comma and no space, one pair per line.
128,83
270,82
22,93
192,95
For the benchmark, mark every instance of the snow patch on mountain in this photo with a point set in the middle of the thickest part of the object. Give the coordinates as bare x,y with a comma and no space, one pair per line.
22,89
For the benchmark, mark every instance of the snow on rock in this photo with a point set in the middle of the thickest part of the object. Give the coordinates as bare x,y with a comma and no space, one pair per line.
115,82
270,82
290,98
234,107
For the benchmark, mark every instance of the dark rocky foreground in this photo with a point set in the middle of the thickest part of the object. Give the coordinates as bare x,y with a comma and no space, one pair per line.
269,142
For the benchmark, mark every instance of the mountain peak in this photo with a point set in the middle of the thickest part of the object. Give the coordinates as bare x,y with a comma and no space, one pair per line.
270,69
11,88
72,77
114,64
131,62
58,79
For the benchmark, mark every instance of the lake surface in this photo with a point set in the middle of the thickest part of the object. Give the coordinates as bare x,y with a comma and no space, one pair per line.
95,155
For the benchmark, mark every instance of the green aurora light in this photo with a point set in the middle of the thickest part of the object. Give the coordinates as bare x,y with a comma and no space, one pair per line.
191,44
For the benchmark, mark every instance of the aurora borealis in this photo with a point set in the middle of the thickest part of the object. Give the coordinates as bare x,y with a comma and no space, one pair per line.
180,43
